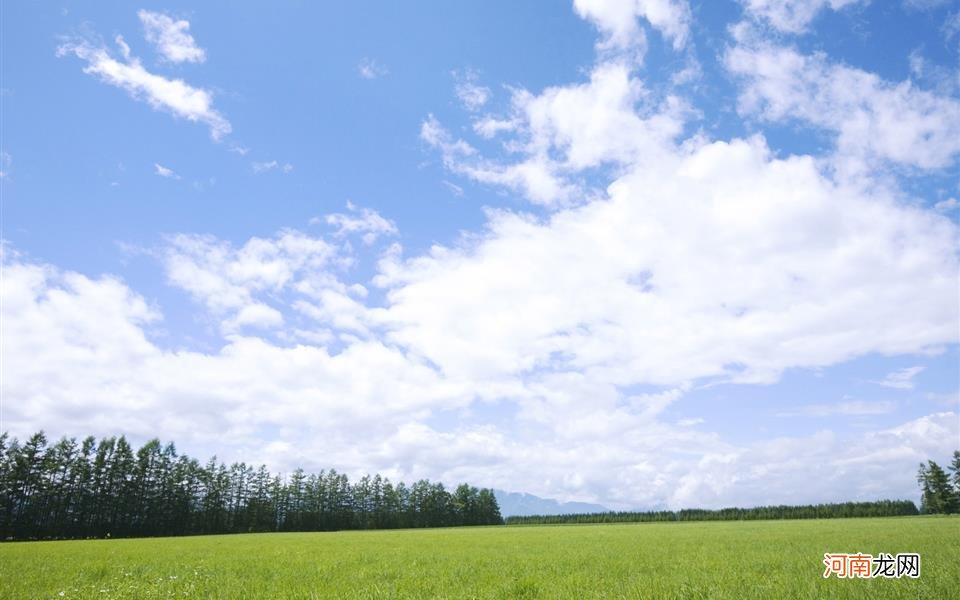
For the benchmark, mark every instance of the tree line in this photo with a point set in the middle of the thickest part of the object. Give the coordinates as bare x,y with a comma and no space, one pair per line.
105,488
940,492
881,508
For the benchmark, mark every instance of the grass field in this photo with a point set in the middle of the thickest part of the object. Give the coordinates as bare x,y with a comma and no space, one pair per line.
758,559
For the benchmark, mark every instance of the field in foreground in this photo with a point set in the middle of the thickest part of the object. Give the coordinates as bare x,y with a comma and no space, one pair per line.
761,559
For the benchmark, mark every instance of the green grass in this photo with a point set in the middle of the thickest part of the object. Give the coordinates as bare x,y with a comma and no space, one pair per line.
756,559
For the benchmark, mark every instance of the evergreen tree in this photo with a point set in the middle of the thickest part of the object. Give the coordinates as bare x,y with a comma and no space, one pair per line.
938,495
106,488
955,468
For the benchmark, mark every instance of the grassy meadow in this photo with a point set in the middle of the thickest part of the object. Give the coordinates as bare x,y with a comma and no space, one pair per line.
758,559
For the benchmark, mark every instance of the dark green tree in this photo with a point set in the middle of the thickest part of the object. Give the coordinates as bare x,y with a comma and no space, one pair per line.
937,493
106,488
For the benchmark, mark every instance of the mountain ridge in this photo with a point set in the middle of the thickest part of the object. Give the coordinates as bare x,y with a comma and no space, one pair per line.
523,504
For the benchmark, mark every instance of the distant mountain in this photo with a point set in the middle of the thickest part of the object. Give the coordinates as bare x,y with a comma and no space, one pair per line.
520,504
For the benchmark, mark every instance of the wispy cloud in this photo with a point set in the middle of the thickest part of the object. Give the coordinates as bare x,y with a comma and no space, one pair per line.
238,285
792,16
371,69
883,121
163,171
272,165
171,95
901,379
5,161
171,38
948,205
471,94
359,220
455,189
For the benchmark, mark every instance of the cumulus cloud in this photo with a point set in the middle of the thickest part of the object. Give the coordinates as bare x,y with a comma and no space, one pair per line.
170,95
236,284
729,262
611,119
703,261
488,127
617,20
80,355
866,466
536,177
593,309
871,118
171,38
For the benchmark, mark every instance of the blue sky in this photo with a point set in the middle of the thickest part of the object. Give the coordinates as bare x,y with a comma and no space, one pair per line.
643,253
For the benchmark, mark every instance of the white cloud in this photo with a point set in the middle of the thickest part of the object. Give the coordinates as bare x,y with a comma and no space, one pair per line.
123,46
79,359
617,20
948,205
942,79
433,133
255,315
170,95
673,255
360,220
871,118
609,120
163,171
489,127
951,26
727,261
455,189
272,165
901,379
5,161
536,177
690,422
371,69
93,368
948,400
471,94
792,16
869,466
237,284
171,38
925,4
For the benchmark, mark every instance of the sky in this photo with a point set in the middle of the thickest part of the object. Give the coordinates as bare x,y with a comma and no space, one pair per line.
645,253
